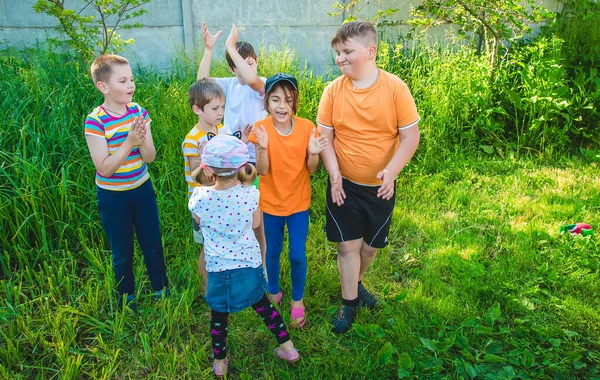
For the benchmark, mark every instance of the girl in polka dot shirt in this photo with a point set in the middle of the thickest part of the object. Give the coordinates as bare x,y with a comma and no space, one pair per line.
227,211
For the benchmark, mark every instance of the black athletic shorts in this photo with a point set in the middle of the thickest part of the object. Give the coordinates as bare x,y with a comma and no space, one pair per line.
362,215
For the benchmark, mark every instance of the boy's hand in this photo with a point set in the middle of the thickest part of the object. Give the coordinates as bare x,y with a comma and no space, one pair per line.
316,144
337,191
245,132
137,132
386,191
232,38
262,139
210,40
200,148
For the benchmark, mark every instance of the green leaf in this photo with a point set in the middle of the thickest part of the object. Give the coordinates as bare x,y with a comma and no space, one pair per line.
527,359
487,149
493,348
579,365
401,296
429,344
493,358
405,361
360,331
571,334
493,314
434,363
385,354
377,330
402,373
387,288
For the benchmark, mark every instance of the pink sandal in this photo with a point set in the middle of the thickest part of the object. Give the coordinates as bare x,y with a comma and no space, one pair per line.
291,356
295,314
277,299
221,370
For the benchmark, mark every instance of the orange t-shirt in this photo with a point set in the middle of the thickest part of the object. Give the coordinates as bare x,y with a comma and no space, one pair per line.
366,123
285,189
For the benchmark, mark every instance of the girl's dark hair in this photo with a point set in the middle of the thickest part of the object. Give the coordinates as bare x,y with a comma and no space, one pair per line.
289,90
245,49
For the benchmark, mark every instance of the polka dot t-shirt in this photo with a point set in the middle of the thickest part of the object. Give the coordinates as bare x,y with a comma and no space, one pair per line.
226,222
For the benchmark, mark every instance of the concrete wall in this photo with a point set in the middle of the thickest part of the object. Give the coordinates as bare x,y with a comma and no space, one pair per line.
173,26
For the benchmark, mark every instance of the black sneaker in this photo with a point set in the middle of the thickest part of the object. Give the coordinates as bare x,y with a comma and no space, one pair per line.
365,298
160,294
344,318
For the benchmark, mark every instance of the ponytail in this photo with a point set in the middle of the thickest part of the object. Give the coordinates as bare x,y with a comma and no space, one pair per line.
247,174
203,176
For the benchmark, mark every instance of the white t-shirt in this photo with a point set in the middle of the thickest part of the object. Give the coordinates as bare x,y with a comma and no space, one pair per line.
243,106
226,223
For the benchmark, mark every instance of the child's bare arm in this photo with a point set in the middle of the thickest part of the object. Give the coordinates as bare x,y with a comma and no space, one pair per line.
194,162
331,165
256,218
262,157
315,146
247,73
409,141
107,164
210,40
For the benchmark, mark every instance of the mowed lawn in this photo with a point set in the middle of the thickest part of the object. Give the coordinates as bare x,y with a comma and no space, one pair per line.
477,282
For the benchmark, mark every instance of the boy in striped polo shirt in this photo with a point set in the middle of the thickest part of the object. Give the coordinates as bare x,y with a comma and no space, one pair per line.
207,101
120,142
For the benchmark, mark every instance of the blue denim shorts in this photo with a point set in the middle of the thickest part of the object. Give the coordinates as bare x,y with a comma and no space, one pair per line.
234,290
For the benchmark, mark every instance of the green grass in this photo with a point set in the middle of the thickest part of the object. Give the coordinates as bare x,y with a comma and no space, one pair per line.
476,281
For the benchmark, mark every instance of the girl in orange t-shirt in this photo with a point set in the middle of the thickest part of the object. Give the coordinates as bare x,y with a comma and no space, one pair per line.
287,152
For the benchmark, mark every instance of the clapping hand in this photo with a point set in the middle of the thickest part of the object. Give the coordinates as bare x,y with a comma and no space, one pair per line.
137,132
262,139
316,144
245,132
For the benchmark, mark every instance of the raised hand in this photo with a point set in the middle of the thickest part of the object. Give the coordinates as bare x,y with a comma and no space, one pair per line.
210,40
137,132
245,132
386,191
262,139
316,144
200,148
232,38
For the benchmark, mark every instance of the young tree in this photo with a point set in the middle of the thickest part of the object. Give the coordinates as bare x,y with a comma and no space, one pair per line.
91,35
499,21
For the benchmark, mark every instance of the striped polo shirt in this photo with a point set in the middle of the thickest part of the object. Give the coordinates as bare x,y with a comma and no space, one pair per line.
133,172
190,149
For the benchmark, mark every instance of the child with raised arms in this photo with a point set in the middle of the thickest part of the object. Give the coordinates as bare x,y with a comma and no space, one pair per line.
287,153
227,210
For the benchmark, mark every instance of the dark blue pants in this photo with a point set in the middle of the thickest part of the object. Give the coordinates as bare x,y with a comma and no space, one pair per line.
297,225
121,212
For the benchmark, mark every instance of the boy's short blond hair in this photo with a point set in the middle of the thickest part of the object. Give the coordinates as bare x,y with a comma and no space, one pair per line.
365,31
102,66
203,92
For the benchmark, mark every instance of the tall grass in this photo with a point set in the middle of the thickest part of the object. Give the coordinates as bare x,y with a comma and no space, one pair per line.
475,283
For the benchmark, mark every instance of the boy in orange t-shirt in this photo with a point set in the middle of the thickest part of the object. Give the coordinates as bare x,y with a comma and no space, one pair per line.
371,118
287,153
